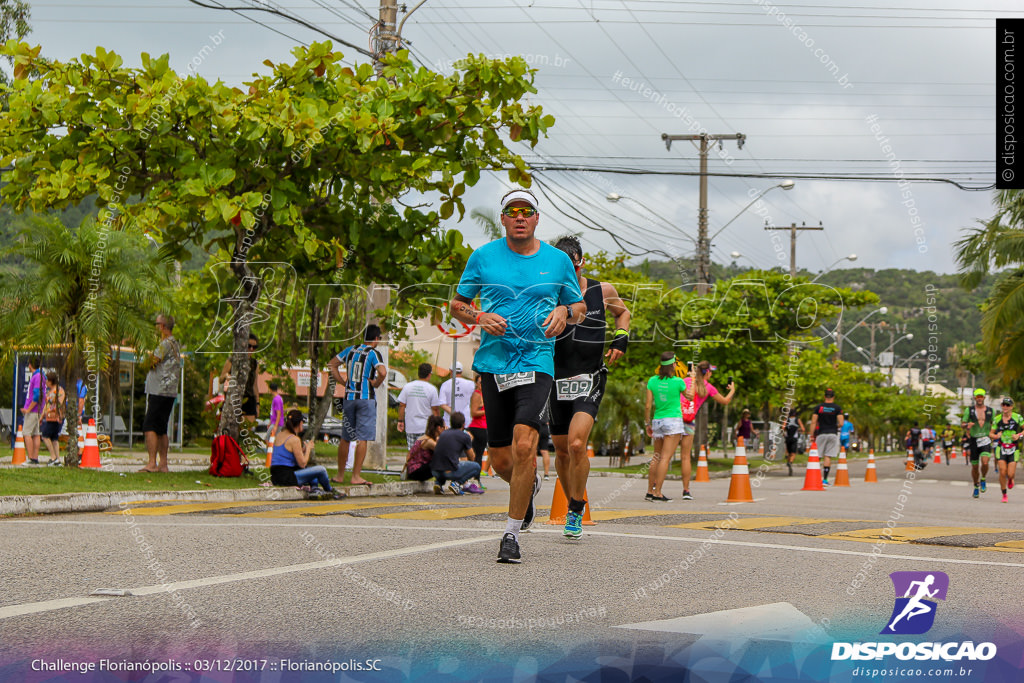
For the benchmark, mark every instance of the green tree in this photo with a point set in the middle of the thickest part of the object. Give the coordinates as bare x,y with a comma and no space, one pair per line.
306,157
82,290
999,244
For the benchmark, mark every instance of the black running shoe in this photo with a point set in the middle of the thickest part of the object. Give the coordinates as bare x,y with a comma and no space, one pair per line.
509,551
531,511
649,497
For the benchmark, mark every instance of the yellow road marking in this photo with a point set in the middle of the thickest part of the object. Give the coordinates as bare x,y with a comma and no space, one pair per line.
912,533
316,510
604,515
752,523
182,508
438,513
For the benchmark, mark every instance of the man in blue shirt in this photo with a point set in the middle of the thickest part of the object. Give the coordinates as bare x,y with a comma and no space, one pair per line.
528,292
360,369
846,432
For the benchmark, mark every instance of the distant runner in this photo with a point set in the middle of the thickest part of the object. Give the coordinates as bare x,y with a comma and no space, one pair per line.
977,420
1007,433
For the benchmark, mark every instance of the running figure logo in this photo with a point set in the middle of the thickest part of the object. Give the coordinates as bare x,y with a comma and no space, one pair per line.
914,612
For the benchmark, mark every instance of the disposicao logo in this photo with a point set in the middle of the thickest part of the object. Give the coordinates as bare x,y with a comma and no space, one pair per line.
913,614
914,611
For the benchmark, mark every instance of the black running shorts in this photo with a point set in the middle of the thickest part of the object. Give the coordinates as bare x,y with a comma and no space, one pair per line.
521,405
562,411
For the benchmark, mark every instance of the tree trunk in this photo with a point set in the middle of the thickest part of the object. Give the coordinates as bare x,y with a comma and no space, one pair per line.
231,414
71,456
314,357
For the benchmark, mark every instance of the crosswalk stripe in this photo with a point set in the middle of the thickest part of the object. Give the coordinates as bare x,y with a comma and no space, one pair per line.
907,534
755,523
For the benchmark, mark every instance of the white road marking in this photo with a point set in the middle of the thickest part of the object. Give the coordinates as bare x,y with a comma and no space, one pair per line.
50,605
587,532
777,621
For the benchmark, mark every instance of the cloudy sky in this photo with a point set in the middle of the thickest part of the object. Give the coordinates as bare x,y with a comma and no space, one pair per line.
822,90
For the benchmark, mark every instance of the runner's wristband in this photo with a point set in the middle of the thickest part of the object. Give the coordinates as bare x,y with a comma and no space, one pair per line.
620,341
478,317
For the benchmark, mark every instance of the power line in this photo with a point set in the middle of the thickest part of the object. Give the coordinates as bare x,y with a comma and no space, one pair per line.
289,17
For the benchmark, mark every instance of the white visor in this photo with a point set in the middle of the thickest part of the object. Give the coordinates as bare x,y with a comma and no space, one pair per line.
519,196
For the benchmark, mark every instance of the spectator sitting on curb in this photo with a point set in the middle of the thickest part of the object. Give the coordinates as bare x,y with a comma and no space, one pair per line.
417,463
447,468
290,457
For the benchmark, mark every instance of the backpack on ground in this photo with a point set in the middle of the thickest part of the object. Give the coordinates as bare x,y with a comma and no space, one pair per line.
226,457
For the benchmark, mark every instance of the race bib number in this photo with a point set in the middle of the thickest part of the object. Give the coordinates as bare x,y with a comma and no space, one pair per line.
514,379
571,388
982,441
1008,448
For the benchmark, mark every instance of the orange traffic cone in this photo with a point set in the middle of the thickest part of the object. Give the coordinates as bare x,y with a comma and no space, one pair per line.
270,450
91,452
19,450
910,459
702,466
812,480
938,458
842,471
870,474
760,450
81,439
952,452
560,507
590,450
739,485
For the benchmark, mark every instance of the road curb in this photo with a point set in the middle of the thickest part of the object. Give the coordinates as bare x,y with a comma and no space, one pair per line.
98,502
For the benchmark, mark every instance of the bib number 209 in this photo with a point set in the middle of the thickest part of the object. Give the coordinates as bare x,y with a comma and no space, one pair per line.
572,388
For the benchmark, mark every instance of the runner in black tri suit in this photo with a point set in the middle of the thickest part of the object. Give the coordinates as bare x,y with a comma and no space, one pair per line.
580,378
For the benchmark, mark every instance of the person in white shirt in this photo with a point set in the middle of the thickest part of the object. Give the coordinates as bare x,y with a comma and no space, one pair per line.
417,401
463,393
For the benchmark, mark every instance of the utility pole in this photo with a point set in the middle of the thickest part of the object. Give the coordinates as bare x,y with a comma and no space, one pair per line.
792,241
706,140
385,42
793,267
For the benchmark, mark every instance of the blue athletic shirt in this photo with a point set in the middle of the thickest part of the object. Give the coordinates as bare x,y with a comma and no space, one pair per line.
361,362
844,437
523,290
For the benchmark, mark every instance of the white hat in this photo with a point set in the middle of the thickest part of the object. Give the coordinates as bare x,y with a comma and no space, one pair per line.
519,196
458,366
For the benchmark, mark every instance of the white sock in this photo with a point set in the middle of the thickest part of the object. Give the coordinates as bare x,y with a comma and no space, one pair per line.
513,526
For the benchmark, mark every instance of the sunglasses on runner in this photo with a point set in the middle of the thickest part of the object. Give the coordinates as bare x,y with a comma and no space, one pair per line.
524,211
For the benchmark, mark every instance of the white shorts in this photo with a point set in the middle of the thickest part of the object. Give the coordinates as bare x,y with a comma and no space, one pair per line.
667,426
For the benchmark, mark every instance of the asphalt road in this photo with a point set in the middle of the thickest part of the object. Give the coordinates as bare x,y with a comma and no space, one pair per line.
763,587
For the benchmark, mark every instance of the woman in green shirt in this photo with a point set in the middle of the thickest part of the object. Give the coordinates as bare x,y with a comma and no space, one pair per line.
663,392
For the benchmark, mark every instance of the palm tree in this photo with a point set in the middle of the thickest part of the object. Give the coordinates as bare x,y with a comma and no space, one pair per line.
488,222
621,418
999,243
80,290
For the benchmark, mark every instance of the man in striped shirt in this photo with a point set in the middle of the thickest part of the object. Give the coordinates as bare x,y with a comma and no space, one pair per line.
360,369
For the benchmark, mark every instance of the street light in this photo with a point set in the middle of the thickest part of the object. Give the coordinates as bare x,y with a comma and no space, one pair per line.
735,255
907,361
615,197
839,336
907,336
785,185
851,258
